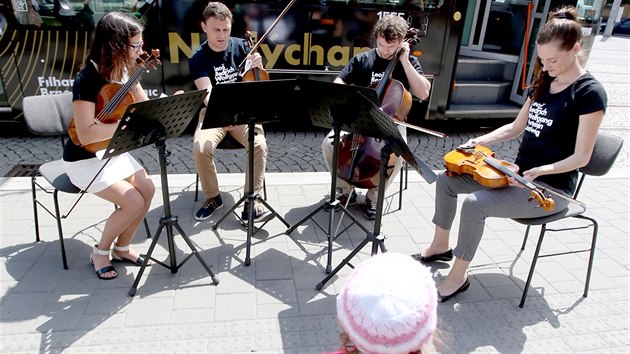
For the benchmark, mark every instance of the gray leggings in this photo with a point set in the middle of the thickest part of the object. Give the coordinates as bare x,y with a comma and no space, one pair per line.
480,203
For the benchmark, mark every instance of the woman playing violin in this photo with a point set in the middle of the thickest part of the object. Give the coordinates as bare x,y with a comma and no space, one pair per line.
559,123
368,68
116,44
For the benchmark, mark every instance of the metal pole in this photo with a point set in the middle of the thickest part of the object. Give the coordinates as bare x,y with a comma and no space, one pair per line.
611,18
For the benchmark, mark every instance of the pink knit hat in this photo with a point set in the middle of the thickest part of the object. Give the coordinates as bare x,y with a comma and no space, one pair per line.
388,305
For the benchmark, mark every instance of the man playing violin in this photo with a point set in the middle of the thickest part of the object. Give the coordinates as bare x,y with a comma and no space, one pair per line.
217,61
368,68
558,123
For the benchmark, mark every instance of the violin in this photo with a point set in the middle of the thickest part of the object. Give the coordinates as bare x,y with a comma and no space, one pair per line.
113,99
480,163
253,74
359,156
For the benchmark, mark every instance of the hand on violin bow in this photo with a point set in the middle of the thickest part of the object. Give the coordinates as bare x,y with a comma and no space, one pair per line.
253,60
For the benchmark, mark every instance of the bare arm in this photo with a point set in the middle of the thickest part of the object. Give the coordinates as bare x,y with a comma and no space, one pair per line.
204,83
138,93
419,85
88,131
584,143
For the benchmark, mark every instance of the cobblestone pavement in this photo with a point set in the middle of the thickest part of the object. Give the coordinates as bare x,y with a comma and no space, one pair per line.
289,151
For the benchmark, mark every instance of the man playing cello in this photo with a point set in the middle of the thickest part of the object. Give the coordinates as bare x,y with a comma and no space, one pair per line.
368,68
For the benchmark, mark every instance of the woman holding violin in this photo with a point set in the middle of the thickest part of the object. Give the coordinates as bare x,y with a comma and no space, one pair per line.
369,68
559,124
116,45
216,61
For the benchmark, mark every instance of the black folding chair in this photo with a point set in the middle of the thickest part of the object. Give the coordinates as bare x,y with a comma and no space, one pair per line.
50,115
605,152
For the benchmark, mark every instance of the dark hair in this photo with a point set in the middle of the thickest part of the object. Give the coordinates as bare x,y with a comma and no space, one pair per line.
562,26
217,10
110,44
391,27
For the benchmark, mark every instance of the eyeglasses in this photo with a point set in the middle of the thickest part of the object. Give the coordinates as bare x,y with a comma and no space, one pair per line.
136,46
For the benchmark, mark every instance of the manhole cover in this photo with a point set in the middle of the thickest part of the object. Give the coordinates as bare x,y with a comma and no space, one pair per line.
23,170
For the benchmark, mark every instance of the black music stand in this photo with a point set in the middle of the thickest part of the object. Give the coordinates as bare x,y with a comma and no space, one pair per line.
263,102
151,122
356,110
332,106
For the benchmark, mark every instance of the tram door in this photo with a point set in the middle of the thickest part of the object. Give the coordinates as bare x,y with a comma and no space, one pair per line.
588,13
495,28
527,57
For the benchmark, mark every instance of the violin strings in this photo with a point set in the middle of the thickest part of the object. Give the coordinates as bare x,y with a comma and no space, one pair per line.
113,103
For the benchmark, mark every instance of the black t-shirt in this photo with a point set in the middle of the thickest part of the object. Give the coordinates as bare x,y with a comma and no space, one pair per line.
220,67
552,127
367,67
86,87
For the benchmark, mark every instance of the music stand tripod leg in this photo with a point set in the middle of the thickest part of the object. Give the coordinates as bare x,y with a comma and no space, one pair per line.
251,196
332,202
377,239
168,221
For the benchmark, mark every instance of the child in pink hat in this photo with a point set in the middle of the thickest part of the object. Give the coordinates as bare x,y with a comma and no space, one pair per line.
387,305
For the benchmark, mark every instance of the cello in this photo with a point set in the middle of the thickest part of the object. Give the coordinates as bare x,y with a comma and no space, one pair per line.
112,101
360,156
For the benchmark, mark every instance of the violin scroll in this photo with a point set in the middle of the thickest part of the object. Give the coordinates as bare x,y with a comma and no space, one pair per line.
546,203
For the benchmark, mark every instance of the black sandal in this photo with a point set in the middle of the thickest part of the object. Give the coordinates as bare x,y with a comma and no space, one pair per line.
138,262
106,269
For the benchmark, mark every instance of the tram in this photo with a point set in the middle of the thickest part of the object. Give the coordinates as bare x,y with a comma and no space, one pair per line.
43,43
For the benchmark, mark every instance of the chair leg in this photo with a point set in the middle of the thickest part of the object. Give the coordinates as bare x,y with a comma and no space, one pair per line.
35,215
406,175
197,188
525,238
264,189
533,266
404,178
146,228
60,229
592,253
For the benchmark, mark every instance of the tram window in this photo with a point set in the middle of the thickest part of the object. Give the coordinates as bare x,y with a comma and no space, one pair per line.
3,24
4,102
73,14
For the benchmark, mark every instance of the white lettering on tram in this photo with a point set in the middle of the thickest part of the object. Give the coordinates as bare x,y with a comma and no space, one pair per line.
51,85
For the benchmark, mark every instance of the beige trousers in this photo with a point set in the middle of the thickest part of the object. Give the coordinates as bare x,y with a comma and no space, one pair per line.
205,143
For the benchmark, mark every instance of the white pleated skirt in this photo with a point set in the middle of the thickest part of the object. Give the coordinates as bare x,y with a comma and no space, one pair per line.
82,172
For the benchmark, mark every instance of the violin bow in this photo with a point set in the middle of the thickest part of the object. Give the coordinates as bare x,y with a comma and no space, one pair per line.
420,129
